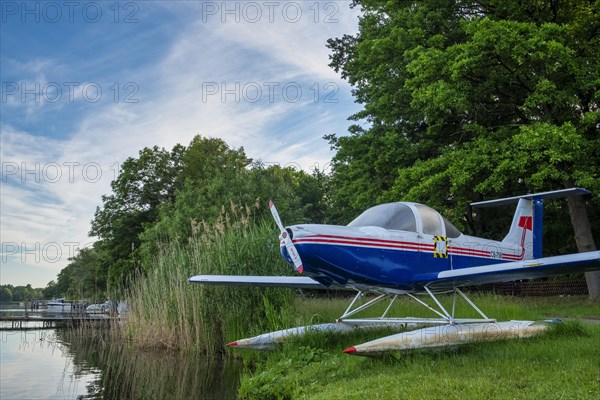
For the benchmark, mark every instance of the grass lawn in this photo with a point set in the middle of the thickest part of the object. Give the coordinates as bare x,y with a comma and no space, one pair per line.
563,363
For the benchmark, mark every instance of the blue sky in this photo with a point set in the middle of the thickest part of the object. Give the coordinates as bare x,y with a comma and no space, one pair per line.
87,84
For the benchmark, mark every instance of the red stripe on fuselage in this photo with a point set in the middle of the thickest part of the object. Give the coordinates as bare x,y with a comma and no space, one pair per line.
365,243
399,245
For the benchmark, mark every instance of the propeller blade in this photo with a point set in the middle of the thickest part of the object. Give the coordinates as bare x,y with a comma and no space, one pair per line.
276,216
291,249
289,245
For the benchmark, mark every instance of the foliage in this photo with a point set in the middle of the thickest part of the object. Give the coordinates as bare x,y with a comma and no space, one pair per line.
297,192
82,278
168,311
6,293
160,196
142,184
10,293
212,175
468,100
268,384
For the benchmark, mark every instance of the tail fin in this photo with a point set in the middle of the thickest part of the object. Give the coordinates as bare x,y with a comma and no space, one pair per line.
521,229
526,227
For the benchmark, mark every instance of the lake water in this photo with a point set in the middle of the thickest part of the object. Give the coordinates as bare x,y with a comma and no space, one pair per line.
63,364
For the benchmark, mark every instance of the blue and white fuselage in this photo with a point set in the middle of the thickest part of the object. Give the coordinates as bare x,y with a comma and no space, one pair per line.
407,248
401,247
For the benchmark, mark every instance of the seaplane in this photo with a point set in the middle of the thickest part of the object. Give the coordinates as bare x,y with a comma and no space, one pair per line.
409,249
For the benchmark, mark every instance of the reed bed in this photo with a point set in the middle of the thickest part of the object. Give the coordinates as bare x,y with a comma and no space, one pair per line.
165,310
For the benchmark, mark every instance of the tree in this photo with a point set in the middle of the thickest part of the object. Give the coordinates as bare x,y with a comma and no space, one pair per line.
22,293
162,195
474,99
50,291
217,178
142,185
211,175
82,278
6,293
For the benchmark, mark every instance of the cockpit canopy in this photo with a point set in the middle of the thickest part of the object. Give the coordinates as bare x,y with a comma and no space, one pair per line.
406,216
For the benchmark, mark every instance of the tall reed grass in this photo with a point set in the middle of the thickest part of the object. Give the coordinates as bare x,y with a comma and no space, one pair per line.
165,310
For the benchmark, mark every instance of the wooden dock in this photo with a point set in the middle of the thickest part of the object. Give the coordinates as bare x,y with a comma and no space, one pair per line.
31,322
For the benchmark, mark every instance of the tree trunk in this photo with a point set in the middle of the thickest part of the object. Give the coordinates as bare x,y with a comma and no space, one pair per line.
584,239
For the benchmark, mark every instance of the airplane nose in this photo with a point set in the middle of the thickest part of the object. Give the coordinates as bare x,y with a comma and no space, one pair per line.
284,253
289,232
293,232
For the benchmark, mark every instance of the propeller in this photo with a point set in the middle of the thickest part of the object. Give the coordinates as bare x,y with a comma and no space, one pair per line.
289,245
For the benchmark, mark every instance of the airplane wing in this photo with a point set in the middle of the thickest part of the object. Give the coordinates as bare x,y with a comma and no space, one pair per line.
505,272
298,282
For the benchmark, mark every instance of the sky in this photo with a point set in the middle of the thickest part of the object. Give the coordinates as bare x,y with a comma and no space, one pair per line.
85,85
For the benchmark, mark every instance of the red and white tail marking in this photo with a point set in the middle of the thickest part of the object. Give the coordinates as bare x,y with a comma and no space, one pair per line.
521,229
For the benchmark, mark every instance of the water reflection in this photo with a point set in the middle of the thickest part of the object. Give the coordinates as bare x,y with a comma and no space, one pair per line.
64,364
35,365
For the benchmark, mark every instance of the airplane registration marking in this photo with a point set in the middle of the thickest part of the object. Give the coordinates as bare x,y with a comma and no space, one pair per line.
401,245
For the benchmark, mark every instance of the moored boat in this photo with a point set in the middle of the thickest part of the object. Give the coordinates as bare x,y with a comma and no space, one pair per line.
59,305
103,308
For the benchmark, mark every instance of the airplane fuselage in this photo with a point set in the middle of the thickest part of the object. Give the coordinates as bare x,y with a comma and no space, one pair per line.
374,256
405,248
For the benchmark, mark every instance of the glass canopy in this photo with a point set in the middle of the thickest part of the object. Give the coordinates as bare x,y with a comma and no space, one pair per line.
401,217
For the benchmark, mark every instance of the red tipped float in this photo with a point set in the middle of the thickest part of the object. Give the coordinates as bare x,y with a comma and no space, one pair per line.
350,350
232,344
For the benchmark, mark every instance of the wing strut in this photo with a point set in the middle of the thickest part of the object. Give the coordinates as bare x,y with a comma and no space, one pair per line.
444,316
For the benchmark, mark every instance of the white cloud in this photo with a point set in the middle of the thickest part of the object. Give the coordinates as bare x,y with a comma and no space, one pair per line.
48,198
173,106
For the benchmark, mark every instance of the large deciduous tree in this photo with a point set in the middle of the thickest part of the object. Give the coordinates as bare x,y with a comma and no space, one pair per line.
217,178
471,99
142,184
162,196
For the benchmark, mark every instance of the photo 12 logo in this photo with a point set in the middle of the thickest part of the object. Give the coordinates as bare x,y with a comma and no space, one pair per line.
271,92
69,11
54,172
50,252
68,92
253,12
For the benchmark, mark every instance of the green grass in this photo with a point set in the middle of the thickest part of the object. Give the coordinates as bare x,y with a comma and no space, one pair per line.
563,363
